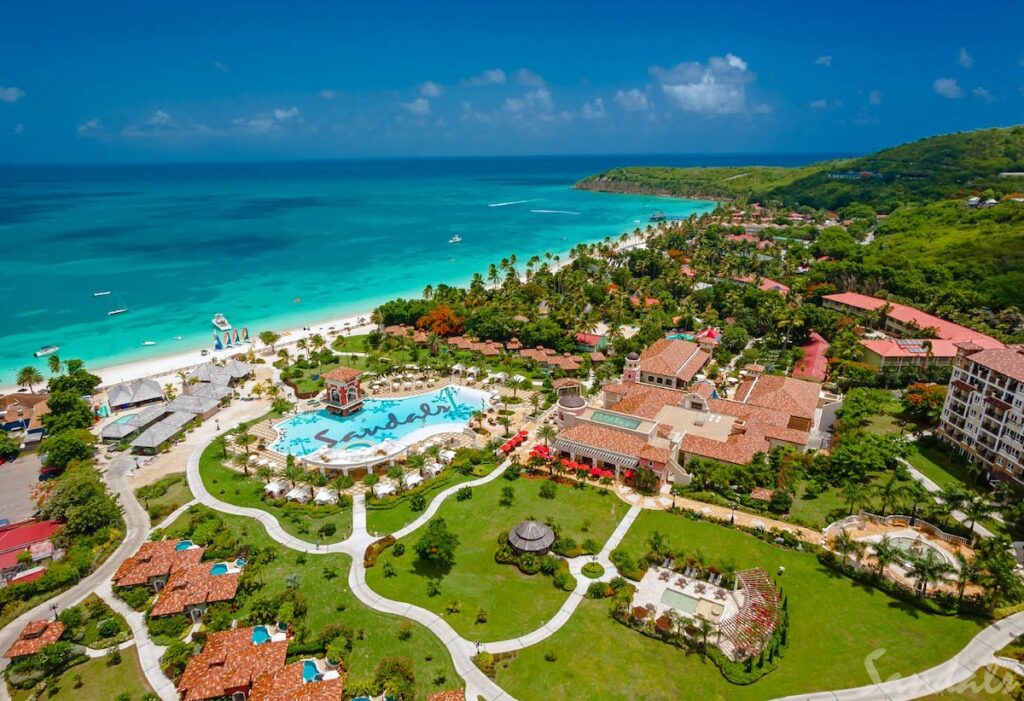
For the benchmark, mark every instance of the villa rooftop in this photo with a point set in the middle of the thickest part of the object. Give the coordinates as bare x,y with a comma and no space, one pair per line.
156,558
34,637
194,585
342,374
230,661
137,391
795,397
673,358
288,684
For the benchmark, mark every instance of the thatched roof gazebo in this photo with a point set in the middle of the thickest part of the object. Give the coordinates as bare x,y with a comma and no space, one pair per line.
531,537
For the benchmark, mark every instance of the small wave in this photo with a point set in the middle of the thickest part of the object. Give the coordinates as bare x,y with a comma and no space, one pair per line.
506,204
554,211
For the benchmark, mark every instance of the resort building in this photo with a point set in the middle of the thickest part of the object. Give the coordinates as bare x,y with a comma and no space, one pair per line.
911,337
591,342
765,284
666,363
22,413
549,359
230,663
32,537
299,681
983,416
195,404
637,425
813,365
153,563
230,374
135,393
128,426
343,394
34,637
194,586
156,436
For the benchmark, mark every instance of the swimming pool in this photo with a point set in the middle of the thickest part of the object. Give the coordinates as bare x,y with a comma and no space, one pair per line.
679,601
401,420
309,671
124,418
183,545
219,568
617,420
680,337
260,634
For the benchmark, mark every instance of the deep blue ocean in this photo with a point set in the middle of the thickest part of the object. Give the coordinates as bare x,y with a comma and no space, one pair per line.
176,243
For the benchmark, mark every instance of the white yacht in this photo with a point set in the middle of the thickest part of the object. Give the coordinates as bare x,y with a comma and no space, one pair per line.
46,350
221,323
115,312
455,239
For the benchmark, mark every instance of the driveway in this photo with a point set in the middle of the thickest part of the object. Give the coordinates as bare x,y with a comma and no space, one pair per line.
19,477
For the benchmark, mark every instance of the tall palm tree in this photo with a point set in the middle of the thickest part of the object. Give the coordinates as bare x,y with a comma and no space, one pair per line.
293,473
244,439
975,508
927,571
845,545
242,461
302,345
885,554
657,542
968,571
887,492
854,493
506,422
265,473
28,376
953,497
53,362
547,433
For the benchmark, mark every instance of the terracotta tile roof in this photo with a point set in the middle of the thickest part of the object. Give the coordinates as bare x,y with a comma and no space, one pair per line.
892,348
904,314
229,661
342,374
646,400
814,365
753,367
1005,361
34,637
655,454
192,585
156,558
795,397
287,684
739,448
704,389
617,387
762,494
598,357
673,358
589,339
766,284
773,423
605,438
563,382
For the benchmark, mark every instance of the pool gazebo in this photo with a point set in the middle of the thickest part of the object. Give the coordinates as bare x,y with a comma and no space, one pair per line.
531,537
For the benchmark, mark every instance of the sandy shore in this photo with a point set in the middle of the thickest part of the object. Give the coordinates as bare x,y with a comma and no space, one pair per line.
169,365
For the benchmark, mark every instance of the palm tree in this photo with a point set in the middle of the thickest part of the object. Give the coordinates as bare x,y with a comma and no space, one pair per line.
169,391
505,421
244,439
269,338
953,497
242,461
265,473
302,345
967,572
54,364
887,492
927,571
28,376
976,508
845,545
293,473
704,628
657,542
854,493
885,554
222,443
547,433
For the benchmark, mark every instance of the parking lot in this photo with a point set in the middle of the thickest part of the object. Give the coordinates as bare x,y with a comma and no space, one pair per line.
18,479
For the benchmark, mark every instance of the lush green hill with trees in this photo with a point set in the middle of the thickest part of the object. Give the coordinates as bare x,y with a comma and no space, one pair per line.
935,168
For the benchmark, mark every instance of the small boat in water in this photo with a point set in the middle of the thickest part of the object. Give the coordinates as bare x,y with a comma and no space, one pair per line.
101,294
455,239
115,312
177,338
220,322
149,343
46,350
658,216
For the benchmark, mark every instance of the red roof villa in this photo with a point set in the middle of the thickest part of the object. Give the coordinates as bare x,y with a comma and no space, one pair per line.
231,661
34,637
29,536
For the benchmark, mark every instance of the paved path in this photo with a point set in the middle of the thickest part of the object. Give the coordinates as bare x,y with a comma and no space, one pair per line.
978,653
934,489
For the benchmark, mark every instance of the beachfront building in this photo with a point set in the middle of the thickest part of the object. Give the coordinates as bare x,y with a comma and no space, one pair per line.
22,414
911,337
983,417
136,393
230,374
126,427
230,663
343,395
34,637
667,363
641,425
156,426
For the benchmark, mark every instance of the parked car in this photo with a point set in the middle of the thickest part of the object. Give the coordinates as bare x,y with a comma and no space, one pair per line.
49,473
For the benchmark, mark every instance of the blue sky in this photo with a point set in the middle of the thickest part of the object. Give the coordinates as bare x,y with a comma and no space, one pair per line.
151,81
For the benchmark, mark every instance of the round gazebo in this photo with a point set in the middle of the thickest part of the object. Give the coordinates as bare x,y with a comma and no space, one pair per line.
531,537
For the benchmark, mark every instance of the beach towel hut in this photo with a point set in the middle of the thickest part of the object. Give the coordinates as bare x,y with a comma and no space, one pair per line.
431,469
446,456
275,489
458,369
412,480
383,489
473,371
325,495
498,377
301,494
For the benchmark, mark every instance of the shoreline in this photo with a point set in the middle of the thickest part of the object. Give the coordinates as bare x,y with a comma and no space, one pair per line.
167,366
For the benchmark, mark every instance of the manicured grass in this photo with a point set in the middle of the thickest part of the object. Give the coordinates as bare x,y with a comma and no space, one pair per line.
390,514
100,681
942,469
821,510
992,683
235,488
175,493
834,625
323,580
88,632
515,603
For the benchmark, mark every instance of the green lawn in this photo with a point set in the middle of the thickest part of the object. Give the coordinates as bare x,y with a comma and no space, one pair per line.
100,681
235,488
834,625
392,513
515,603
329,600
820,511
94,611
161,498
942,469
992,683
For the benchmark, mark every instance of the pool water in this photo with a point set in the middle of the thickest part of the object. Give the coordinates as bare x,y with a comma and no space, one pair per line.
309,670
918,548
679,601
260,634
183,545
219,568
379,420
124,418
616,420
680,337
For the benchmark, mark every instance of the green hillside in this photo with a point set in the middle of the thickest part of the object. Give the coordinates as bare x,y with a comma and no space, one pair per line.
935,168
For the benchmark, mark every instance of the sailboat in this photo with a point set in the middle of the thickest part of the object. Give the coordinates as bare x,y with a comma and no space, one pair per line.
245,334
217,345
234,337
227,339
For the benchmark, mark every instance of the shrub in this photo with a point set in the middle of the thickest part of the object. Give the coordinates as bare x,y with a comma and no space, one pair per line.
327,530
549,564
599,590
168,626
374,549
433,587
399,549
566,547
548,490
512,472
417,502
592,570
564,580
550,656
529,563
481,616
463,494
108,628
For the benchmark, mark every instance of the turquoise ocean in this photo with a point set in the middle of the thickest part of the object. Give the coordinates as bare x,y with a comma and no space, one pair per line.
175,244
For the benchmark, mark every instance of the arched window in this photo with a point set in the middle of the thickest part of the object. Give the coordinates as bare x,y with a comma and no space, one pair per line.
335,396
353,393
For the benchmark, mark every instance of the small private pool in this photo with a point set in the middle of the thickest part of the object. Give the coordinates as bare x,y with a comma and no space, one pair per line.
309,671
260,634
680,337
124,418
617,420
679,601
219,568
184,545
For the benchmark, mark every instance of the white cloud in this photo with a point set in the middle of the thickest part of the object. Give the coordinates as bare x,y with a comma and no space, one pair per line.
420,106
266,122
964,59
19,128
538,100
718,87
430,89
632,100
948,88
875,97
327,94
530,79
823,60
825,103
159,118
93,127
220,66
593,110
983,93
11,94
282,115
492,76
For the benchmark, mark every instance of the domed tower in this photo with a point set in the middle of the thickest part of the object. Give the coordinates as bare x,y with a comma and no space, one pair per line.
631,370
